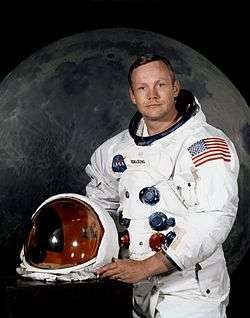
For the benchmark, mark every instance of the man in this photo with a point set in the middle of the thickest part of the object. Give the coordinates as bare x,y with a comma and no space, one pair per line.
172,179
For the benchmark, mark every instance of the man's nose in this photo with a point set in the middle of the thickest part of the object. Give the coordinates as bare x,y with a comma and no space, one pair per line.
152,94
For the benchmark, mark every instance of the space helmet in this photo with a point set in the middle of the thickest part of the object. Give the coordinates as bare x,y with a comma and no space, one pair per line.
71,236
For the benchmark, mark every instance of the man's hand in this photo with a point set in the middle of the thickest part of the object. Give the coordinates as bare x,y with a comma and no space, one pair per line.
125,270
133,271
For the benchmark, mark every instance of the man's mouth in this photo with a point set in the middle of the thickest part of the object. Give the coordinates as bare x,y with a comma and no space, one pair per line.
152,105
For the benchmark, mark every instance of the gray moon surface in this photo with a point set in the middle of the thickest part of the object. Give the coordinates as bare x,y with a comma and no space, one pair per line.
62,102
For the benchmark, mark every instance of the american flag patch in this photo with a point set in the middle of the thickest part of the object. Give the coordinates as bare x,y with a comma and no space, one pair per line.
208,149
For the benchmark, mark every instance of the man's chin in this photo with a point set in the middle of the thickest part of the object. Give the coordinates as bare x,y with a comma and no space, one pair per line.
152,117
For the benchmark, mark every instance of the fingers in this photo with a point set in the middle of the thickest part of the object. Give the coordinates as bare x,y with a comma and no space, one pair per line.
127,271
102,270
118,270
108,270
111,273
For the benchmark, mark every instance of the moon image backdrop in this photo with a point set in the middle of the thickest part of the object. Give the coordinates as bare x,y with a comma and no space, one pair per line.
62,102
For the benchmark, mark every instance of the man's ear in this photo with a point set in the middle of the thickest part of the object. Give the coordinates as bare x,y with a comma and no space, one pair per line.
176,88
132,96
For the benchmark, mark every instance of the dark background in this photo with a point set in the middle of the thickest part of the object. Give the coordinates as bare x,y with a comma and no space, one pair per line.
219,32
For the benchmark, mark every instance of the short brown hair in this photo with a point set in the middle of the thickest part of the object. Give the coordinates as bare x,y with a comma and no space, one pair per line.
147,58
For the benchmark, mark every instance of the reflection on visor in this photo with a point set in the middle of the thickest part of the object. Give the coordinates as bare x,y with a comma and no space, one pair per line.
66,232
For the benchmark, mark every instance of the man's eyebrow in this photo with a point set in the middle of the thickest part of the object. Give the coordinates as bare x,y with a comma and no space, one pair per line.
160,79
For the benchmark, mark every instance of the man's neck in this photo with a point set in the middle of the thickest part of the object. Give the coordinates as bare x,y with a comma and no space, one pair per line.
156,127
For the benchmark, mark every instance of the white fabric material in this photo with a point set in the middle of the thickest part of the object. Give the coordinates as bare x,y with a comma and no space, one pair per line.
84,274
109,248
203,200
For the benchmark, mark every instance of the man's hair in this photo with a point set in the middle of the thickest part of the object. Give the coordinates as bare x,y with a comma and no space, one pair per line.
147,58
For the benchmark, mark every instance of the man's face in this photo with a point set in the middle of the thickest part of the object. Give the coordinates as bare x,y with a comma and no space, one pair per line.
153,91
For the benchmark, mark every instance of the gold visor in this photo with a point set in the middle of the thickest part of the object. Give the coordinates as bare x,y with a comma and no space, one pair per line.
65,232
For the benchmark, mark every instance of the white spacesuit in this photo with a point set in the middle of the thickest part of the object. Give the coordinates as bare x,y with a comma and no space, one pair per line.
176,191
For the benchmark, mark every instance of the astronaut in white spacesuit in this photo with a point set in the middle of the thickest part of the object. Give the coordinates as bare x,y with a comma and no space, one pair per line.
171,179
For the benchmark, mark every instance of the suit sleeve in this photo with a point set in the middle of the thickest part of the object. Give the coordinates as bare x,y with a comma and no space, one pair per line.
210,216
103,187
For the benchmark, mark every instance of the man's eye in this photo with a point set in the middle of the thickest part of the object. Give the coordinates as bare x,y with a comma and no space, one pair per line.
162,84
140,87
